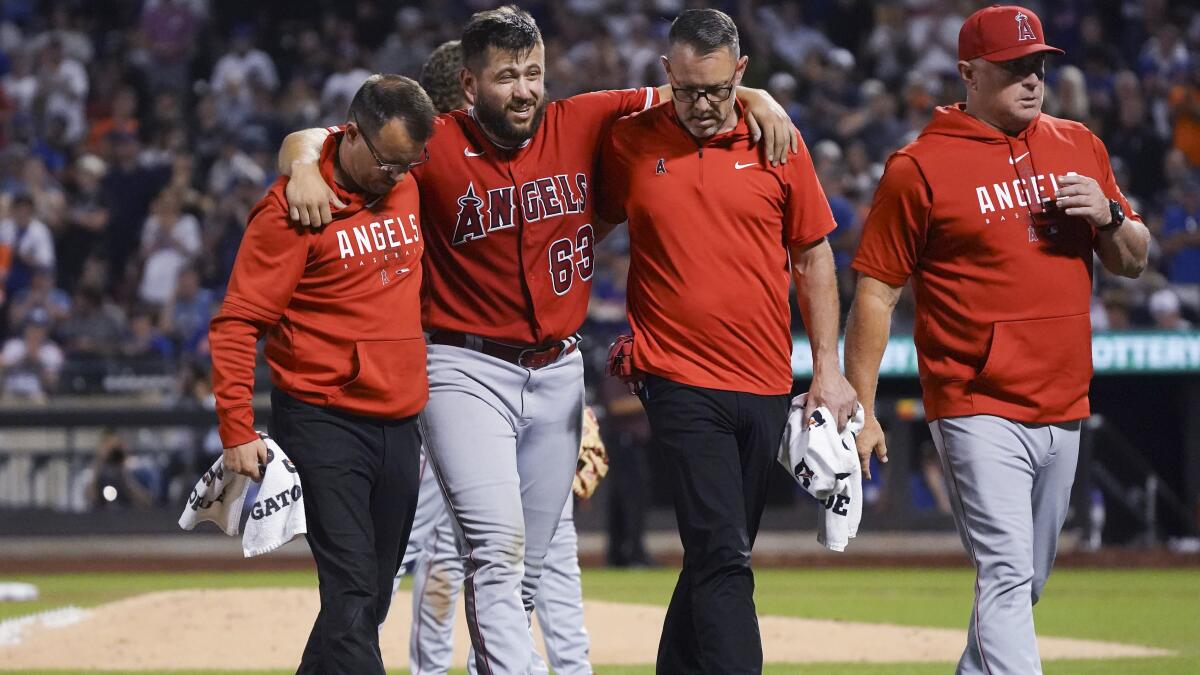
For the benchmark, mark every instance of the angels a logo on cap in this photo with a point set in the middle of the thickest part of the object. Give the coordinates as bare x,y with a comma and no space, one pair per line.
1024,30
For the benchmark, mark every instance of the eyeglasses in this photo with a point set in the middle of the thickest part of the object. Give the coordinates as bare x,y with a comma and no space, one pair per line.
711,94
391,168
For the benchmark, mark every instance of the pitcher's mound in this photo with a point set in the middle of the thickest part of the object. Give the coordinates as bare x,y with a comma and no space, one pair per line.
267,628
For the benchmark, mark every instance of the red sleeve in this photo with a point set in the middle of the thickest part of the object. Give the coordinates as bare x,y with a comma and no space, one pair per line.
613,104
806,214
612,180
896,226
269,264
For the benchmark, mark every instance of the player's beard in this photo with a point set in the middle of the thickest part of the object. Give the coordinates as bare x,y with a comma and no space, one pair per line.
493,116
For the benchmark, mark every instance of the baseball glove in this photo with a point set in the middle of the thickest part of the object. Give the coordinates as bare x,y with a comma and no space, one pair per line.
620,364
593,458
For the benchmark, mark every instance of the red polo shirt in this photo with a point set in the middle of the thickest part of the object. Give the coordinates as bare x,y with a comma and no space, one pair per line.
710,224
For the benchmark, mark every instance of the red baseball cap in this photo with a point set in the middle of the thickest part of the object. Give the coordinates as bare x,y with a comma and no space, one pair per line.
1002,33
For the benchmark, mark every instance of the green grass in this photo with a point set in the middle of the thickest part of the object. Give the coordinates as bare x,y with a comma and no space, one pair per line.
89,590
1152,607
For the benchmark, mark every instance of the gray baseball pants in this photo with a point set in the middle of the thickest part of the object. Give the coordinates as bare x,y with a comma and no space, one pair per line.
503,441
1010,483
437,571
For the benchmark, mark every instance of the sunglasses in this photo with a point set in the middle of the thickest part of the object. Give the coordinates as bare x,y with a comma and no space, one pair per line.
391,168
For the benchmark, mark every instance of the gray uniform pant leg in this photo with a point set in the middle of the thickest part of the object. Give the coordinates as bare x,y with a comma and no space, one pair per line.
1010,484
559,601
437,579
504,442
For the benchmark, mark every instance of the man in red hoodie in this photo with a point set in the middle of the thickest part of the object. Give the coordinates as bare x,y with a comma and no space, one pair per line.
340,309
995,212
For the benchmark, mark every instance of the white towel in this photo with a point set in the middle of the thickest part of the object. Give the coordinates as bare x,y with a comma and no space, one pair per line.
825,464
277,515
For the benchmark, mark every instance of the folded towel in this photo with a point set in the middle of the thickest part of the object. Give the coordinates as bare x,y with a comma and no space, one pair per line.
276,516
825,463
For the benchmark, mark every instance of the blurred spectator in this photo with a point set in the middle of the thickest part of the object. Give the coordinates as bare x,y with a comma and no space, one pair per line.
1181,234
886,49
186,314
875,123
1113,311
49,202
170,238
121,118
95,327
168,32
1167,311
21,84
113,479
1185,109
782,86
300,107
1165,53
244,67
233,164
144,342
129,188
341,84
86,219
64,29
31,362
41,299
1135,141
1068,98
62,87
30,242
406,46
792,39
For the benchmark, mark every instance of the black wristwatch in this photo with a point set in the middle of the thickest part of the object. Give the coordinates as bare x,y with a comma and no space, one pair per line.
1118,216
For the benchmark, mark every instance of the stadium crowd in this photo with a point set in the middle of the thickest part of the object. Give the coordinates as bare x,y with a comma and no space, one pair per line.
136,134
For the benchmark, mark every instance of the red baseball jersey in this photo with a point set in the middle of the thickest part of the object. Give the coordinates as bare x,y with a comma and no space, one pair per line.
509,232
340,308
1003,286
710,224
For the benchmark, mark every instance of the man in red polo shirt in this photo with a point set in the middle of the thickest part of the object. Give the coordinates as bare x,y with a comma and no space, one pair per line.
340,309
713,233
999,249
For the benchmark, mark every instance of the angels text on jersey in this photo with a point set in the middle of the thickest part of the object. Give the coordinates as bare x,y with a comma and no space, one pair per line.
480,212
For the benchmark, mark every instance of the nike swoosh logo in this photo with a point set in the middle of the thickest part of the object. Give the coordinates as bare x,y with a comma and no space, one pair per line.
1014,160
739,165
467,152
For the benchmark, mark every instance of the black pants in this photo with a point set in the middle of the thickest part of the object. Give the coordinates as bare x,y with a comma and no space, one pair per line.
720,446
627,494
360,477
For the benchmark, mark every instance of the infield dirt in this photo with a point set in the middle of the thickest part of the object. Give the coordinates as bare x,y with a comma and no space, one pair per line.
266,628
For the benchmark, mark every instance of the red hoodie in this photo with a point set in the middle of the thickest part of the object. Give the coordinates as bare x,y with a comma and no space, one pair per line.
340,308
1003,293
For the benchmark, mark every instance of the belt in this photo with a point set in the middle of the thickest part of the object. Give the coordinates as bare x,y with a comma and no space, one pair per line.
533,357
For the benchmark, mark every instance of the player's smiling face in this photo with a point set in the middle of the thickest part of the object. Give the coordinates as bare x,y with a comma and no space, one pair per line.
1008,94
509,93
703,87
